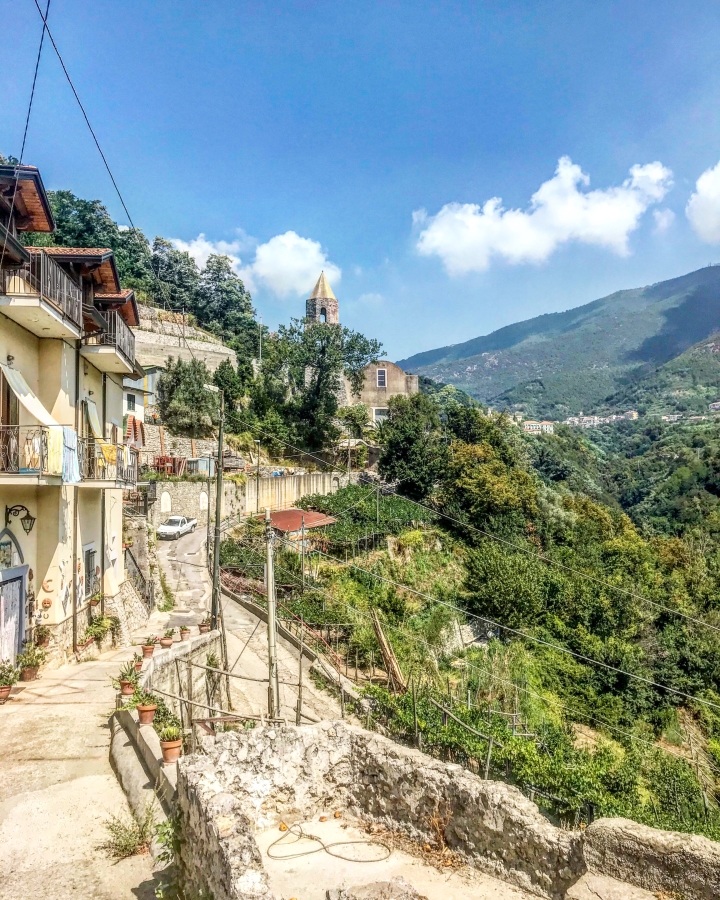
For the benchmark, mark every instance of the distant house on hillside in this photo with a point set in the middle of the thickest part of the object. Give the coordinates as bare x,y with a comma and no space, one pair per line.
714,407
532,427
383,379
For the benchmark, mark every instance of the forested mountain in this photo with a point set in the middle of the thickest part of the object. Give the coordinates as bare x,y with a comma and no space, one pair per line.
558,364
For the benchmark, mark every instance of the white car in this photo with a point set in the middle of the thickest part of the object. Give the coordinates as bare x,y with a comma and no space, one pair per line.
175,526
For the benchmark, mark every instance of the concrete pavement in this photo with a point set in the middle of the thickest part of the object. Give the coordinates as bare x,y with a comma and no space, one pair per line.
57,788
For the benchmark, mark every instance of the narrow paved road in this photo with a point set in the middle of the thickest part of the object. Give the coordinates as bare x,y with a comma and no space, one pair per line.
183,562
57,789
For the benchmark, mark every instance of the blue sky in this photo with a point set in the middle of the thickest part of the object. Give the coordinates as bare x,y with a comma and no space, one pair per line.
297,135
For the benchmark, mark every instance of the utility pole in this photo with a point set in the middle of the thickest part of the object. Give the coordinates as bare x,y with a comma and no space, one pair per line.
377,506
257,480
260,320
209,510
218,504
273,687
302,545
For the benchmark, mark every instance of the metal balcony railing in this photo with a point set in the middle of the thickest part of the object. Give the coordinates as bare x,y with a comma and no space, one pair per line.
43,277
115,334
23,450
105,461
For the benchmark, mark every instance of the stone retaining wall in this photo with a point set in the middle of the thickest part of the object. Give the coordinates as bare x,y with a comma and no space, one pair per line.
249,780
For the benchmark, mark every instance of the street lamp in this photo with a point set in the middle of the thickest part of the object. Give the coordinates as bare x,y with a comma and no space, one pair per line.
27,520
215,605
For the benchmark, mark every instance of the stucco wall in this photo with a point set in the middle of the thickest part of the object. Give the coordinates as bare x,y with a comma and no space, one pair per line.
240,499
374,397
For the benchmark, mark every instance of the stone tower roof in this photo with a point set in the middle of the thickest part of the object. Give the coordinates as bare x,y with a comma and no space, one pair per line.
322,290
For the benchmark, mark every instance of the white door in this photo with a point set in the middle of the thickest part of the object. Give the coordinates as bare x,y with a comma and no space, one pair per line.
10,618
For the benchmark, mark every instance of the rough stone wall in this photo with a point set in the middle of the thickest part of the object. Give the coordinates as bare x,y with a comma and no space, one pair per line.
397,383
653,859
169,670
253,779
290,773
159,336
175,445
284,491
185,497
130,609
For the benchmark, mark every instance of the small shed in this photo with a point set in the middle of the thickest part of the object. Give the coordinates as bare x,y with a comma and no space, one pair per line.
288,523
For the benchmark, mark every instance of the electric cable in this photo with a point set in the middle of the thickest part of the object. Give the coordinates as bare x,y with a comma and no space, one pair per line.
529,637
25,132
535,555
581,714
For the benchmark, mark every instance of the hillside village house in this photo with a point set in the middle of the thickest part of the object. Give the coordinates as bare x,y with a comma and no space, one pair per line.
65,346
532,427
383,379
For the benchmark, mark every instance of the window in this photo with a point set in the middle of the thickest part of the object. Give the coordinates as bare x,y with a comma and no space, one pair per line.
323,315
379,415
131,402
92,585
382,377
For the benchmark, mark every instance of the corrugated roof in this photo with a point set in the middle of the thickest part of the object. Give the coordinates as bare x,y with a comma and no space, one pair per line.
322,290
288,520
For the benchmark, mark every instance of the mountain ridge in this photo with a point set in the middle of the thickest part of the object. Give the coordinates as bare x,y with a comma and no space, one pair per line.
557,364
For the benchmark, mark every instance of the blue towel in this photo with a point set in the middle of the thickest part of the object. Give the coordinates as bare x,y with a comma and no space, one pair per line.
71,467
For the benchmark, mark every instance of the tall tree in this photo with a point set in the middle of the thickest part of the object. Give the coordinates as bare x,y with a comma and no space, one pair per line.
414,453
186,406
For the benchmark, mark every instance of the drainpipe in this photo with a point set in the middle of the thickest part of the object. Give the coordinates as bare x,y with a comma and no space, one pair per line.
102,503
75,506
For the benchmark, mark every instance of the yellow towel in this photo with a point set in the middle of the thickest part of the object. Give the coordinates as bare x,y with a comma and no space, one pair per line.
55,450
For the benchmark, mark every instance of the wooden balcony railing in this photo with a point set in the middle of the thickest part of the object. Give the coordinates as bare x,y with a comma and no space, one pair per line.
115,334
43,277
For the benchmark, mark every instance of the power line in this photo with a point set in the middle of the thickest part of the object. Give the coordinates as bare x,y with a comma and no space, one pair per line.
25,132
414,638
537,640
541,556
85,116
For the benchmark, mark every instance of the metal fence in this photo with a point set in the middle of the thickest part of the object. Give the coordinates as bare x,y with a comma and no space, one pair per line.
43,277
23,449
115,334
144,586
105,461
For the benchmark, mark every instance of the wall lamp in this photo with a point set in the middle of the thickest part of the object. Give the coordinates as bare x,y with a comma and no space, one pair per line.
27,521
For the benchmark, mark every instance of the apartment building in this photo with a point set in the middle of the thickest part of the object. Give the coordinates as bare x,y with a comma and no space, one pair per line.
65,347
532,427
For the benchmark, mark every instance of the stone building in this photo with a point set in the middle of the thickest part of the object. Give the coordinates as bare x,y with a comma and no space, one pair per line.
383,379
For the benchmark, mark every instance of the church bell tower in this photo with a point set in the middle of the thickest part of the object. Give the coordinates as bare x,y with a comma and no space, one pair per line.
322,304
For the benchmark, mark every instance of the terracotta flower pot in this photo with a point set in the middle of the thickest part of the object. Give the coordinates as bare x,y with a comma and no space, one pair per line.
204,627
166,642
94,602
146,713
29,673
4,692
185,635
171,751
138,666
148,650
127,688
43,643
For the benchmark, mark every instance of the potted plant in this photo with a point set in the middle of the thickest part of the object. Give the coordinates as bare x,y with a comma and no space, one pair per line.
146,706
204,626
42,636
138,661
167,639
127,679
29,661
8,676
148,648
95,599
184,633
171,743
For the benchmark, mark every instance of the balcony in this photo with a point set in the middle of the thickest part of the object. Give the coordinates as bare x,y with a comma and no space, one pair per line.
113,348
104,464
28,454
40,296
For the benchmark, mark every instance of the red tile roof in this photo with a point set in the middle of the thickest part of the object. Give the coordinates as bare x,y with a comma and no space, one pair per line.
117,295
288,520
71,251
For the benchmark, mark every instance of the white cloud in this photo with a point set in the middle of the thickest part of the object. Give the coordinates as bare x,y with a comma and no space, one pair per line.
663,220
703,207
467,237
290,265
370,299
200,248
